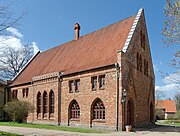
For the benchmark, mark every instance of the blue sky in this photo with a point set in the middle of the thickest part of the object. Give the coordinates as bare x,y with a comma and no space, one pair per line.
48,23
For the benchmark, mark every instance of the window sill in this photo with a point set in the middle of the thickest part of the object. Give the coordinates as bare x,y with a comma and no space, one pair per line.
76,91
94,89
102,88
74,119
101,121
51,118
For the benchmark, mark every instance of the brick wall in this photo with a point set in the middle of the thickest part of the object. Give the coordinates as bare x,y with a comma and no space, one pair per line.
86,96
140,87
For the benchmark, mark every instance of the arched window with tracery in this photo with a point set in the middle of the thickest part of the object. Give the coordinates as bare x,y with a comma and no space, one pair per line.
74,110
39,105
45,104
98,110
51,104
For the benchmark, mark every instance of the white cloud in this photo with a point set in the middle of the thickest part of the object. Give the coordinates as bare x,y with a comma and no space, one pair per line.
15,32
172,78
168,91
171,85
168,87
15,40
35,47
10,41
155,67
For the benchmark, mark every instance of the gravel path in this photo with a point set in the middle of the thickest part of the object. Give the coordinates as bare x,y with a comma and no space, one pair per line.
157,131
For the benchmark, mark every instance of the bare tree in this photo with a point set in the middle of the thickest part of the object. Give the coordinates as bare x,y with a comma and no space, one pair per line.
13,60
171,29
6,17
159,95
171,35
177,100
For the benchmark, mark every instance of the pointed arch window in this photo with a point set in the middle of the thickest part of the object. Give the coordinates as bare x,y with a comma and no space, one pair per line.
45,104
23,92
137,60
140,63
39,105
146,67
98,110
74,110
51,103
142,35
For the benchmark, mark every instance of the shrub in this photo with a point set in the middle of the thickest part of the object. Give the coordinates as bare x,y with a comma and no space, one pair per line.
175,116
18,110
160,114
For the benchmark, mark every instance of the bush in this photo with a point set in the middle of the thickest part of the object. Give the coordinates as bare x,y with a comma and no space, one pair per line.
160,114
18,110
175,116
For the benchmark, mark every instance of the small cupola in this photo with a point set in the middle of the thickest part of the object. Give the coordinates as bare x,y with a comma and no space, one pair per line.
76,31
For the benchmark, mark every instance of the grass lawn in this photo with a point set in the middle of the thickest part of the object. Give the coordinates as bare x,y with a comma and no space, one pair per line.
8,134
44,126
169,122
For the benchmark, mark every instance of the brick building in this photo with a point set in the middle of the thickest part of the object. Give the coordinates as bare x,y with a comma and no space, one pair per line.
165,108
4,97
103,79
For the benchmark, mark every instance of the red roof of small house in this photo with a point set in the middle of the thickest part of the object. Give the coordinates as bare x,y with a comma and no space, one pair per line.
93,50
168,105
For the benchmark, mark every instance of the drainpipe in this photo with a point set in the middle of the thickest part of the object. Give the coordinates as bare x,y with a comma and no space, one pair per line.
59,97
33,101
117,96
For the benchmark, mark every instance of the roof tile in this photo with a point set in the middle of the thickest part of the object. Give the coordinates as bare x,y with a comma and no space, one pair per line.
168,105
93,50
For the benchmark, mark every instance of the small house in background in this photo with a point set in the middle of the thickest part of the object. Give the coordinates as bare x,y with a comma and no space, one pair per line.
164,108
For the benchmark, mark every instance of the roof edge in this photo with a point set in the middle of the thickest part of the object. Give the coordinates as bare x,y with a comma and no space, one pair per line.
26,65
132,30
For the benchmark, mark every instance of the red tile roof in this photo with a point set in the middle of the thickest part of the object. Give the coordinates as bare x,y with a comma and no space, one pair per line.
93,50
168,105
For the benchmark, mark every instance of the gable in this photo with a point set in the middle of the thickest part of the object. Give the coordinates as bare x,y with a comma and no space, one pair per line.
93,50
134,46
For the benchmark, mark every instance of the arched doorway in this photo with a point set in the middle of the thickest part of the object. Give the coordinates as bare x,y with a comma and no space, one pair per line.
151,113
130,113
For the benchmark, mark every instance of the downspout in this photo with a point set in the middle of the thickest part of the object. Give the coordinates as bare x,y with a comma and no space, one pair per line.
59,98
117,96
33,101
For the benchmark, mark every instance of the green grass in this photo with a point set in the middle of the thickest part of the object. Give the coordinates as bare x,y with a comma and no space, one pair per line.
44,126
169,122
8,134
